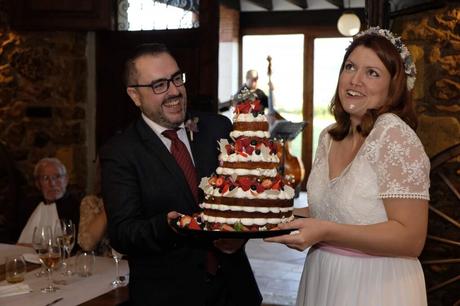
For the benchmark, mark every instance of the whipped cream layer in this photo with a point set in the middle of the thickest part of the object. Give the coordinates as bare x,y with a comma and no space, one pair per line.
269,194
246,221
260,134
264,155
249,118
241,172
233,158
264,210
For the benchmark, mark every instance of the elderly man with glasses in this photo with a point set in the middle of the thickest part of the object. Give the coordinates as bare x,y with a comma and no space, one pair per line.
55,201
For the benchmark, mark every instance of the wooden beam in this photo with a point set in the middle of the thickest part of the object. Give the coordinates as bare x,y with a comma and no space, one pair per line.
300,3
447,282
266,4
409,10
338,3
377,13
285,19
231,4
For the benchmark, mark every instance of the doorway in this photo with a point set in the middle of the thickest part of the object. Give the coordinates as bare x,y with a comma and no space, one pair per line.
287,56
294,57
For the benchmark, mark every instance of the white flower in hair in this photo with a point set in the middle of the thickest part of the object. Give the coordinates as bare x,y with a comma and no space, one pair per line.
409,66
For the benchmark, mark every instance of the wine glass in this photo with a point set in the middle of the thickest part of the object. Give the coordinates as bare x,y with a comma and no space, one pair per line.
119,281
65,233
49,252
39,235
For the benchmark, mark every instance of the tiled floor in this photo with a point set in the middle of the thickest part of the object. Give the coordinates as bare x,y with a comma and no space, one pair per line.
277,268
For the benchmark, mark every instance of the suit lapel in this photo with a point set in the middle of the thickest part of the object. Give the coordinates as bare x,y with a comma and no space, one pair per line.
197,147
156,146
194,148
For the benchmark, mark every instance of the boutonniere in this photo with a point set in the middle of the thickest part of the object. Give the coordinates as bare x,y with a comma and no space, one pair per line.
192,126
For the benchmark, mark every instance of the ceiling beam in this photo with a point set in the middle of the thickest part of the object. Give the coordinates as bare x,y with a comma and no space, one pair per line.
377,13
231,4
292,19
300,3
338,3
266,4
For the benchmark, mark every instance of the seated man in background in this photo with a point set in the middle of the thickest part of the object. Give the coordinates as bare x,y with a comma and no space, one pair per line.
55,203
252,77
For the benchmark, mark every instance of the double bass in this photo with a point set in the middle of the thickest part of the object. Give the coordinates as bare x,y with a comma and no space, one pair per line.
291,167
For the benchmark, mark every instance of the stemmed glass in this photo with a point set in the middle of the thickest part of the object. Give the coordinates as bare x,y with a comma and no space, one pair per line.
49,252
40,233
119,281
65,233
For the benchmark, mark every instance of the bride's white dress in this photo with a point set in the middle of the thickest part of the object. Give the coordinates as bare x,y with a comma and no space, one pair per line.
390,164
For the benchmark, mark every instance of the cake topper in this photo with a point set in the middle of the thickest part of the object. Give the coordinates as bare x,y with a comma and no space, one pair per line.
244,95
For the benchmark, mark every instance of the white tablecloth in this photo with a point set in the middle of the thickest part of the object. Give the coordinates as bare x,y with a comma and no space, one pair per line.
77,290
7,250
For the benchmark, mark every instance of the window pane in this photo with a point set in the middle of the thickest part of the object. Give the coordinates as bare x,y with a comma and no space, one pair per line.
136,15
328,55
287,73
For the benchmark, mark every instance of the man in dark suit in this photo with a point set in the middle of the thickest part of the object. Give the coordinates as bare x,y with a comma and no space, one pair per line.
144,188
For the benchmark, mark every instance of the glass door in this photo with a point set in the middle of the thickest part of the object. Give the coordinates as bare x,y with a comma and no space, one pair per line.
328,55
287,59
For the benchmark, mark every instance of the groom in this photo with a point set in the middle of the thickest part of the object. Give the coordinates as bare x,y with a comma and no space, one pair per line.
144,188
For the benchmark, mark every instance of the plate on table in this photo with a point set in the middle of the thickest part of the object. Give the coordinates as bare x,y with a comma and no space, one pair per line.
208,234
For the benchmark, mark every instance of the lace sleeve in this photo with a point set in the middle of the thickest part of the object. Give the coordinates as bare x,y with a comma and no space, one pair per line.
400,161
322,146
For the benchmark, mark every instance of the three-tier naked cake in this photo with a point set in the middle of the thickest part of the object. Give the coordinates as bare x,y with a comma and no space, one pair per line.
246,192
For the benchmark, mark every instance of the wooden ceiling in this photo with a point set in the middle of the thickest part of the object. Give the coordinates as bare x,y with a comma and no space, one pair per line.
290,5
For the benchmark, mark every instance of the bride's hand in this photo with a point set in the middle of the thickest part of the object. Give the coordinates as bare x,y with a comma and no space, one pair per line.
306,232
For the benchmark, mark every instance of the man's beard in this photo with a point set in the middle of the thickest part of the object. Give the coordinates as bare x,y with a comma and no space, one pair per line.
164,121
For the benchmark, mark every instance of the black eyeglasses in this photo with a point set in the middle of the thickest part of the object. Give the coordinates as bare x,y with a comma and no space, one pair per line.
162,85
50,178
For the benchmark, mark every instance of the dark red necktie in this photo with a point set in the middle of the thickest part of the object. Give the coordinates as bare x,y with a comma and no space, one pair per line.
182,156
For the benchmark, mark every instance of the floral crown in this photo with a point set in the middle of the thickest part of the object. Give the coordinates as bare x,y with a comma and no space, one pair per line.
409,66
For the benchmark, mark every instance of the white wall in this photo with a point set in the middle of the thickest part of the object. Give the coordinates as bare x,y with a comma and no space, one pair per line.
228,70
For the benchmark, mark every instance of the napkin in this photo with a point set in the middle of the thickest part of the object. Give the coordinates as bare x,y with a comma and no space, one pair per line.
32,258
15,289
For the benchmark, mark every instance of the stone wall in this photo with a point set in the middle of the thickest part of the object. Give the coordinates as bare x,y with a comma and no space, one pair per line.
434,40
43,94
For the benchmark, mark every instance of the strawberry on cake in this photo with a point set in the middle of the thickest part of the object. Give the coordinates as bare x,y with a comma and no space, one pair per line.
246,192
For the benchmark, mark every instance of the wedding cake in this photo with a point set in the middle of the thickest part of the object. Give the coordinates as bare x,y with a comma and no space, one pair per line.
246,192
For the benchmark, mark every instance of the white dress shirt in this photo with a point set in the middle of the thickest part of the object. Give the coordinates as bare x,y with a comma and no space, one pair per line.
181,133
43,215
